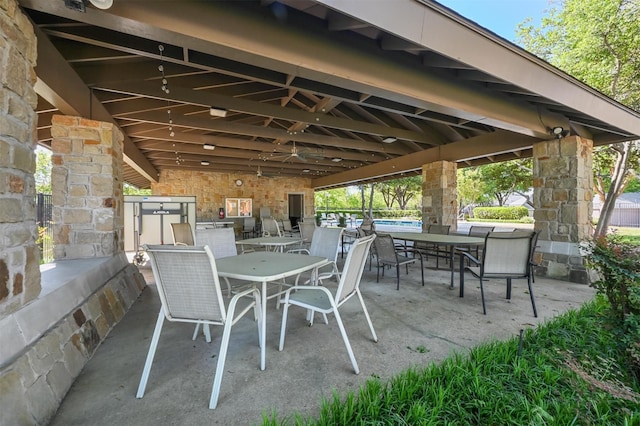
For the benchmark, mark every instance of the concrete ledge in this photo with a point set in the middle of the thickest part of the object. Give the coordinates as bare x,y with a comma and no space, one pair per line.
66,285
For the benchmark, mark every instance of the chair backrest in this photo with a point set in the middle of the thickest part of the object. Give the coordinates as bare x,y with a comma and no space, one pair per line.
286,225
507,253
307,229
326,243
221,241
439,229
270,227
353,267
187,282
480,231
249,224
182,234
385,247
368,224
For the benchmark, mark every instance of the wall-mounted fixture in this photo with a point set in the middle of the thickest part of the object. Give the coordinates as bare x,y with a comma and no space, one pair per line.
204,163
389,139
559,132
209,146
102,4
217,112
336,159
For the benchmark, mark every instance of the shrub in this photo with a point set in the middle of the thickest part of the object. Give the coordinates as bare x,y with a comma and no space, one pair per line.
618,267
501,213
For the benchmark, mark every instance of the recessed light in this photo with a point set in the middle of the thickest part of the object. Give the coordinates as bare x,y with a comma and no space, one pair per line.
389,139
336,159
305,170
204,163
209,147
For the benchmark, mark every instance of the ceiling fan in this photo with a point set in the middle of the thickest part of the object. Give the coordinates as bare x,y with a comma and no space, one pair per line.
260,173
295,154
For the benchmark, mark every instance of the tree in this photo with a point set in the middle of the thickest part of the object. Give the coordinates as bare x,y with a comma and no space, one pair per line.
471,188
597,41
42,175
400,191
503,179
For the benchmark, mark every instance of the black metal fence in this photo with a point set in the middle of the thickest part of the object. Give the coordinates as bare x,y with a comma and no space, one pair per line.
44,208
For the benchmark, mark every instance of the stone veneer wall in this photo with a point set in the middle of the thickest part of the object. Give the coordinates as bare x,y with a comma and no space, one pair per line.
19,254
440,194
563,194
86,179
211,189
36,375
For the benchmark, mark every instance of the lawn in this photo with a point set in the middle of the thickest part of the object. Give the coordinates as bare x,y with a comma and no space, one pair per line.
565,372
629,235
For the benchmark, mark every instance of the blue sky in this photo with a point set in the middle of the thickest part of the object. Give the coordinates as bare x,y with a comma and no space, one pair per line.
499,16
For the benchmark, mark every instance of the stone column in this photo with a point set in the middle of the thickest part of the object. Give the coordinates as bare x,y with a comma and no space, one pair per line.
562,196
86,180
440,194
19,254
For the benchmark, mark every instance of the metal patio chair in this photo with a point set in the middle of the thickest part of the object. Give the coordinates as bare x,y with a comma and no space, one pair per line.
189,290
182,234
320,299
270,228
325,243
506,255
388,254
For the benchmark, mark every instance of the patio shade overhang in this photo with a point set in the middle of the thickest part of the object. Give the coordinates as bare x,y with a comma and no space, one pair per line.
305,87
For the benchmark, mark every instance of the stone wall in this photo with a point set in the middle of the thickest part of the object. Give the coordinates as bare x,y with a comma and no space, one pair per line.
211,189
440,194
563,194
19,254
86,179
37,378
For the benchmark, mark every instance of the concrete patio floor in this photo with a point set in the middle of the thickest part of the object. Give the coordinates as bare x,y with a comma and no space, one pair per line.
314,361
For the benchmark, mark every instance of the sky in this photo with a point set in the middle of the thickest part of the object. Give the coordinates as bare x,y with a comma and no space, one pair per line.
500,16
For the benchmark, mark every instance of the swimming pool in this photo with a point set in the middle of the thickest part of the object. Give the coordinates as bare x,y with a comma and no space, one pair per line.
412,223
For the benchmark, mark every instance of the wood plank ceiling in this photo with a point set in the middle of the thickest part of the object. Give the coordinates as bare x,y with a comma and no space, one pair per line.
307,89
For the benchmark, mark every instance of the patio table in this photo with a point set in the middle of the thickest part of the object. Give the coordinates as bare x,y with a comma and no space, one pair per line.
275,243
451,241
264,267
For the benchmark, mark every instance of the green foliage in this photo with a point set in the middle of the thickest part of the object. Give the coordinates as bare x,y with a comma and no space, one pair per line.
132,190
618,267
565,374
501,213
471,187
400,191
43,171
503,179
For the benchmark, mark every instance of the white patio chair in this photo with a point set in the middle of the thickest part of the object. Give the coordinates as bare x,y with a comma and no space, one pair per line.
270,228
182,234
288,230
189,289
325,243
320,299
506,255
307,228
249,227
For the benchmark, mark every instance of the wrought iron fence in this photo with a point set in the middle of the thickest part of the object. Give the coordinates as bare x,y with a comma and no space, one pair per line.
44,207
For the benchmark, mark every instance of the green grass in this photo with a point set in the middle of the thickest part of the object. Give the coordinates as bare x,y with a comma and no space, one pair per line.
566,374
629,235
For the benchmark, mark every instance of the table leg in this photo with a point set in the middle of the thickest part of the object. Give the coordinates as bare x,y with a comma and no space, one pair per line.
461,276
263,326
451,248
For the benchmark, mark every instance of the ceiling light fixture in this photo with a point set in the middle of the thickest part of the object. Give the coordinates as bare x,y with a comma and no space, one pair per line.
336,159
306,170
217,112
204,163
389,139
209,147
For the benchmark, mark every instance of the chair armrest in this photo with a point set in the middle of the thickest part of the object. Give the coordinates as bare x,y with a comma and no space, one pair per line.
468,256
298,250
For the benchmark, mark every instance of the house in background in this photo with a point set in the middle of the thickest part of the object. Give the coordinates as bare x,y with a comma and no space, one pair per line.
626,211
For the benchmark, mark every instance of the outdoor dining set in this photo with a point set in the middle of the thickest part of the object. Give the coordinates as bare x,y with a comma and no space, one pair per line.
209,278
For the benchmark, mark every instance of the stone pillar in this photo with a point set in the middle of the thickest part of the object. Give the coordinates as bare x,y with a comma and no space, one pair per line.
86,180
440,194
19,254
562,196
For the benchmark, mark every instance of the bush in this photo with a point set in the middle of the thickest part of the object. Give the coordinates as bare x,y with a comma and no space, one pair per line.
501,213
618,267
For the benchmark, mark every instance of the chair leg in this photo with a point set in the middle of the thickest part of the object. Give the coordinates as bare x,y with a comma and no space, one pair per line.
346,341
508,288
533,303
222,357
283,327
366,314
150,355
484,308
422,271
398,275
